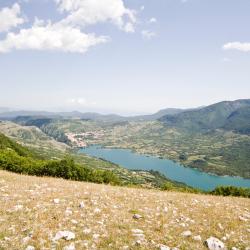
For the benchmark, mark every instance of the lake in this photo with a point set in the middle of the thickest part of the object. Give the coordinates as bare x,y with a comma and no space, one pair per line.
192,177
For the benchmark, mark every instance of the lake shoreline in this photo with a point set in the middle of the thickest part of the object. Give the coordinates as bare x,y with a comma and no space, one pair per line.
164,158
195,178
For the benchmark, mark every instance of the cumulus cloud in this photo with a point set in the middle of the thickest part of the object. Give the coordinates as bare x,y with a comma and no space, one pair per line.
146,34
245,47
67,34
10,17
89,12
47,36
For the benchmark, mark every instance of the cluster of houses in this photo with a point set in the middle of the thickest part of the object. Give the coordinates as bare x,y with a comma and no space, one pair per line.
81,139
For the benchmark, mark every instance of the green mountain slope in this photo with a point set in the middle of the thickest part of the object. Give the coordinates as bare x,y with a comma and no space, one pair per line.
215,116
239,121
8,144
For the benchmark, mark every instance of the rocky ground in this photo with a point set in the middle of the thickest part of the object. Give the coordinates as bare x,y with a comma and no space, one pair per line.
47,213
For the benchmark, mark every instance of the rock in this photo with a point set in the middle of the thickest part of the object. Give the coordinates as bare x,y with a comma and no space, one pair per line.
18,207
214,244
70,247
96,236
68,212
165,210
26,239
224,238
125,247
137,216
197,238
56,201
163,247
81,205
242,218
137,231
97,210
139,234
67,235
74,222
86,231
30,248
186,233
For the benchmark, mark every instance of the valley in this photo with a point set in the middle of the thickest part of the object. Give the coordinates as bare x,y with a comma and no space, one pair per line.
213,139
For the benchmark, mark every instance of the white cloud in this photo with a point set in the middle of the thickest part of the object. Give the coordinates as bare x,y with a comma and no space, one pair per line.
67,34
245,47
10,17
89,12
153,20
49,36
148,34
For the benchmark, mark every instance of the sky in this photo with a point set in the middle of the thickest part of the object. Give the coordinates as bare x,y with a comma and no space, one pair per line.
123,56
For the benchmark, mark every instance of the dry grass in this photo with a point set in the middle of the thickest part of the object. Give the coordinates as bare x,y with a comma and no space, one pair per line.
106,220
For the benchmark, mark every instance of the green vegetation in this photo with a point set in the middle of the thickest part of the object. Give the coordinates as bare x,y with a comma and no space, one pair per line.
18,159
213,139
231,191
219,151
227,115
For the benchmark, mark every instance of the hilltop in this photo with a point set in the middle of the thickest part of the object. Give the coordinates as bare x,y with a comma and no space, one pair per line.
229,115
33,210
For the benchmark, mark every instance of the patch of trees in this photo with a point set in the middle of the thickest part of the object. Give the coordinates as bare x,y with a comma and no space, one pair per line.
18,159
65,168
231,191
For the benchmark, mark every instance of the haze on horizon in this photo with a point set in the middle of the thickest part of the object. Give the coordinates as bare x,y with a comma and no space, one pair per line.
123,56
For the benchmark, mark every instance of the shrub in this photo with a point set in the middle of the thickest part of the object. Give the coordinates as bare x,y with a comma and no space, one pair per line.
231,191
18,159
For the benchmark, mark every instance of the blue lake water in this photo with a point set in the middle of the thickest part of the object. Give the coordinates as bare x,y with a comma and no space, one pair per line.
172,170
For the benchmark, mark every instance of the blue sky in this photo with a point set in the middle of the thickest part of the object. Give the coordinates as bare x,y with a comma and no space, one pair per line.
125,56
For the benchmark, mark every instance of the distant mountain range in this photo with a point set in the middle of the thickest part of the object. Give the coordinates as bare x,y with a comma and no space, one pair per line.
229,115
88,115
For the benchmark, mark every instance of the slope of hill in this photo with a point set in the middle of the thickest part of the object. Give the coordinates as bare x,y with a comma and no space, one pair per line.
208,118
33,137
239,121
17,158
48,213
155,116
7,144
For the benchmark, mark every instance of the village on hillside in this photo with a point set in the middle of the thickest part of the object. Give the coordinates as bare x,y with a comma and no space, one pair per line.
81,140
